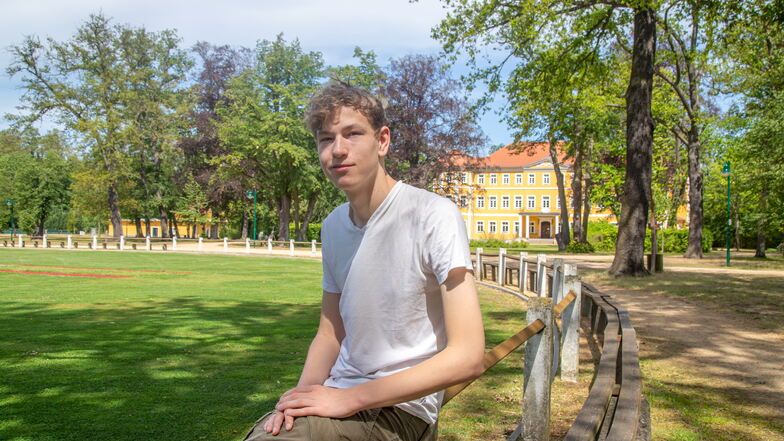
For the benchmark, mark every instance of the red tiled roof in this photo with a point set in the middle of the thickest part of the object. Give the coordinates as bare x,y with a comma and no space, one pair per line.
513,156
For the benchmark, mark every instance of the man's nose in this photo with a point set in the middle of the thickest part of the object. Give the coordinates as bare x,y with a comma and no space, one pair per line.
339,147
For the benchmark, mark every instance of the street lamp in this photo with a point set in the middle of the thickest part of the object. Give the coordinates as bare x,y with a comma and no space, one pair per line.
252,194
725,171
10,203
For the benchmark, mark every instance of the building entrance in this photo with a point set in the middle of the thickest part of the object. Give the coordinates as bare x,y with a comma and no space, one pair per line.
545,230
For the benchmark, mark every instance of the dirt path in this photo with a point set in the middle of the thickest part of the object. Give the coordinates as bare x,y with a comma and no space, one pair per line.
714,353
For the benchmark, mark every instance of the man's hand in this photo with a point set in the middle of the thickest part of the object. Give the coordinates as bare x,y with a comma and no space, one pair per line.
317,400
276,421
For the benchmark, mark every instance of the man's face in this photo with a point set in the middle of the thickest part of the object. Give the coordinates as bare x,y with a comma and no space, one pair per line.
350,150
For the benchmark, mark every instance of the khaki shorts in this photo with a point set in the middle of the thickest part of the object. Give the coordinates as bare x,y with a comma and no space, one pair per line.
382,424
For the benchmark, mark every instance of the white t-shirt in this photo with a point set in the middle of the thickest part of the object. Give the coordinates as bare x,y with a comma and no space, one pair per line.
389,274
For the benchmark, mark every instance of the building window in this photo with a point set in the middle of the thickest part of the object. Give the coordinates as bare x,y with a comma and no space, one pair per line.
448,178
518,202
463,201
531,179
546,179
532,227
531,202
504,201
480,202
505,227
480,179
518,178
493,202
493,179
480,226
517,228
492,227
558,202
463,178
505,179
545,201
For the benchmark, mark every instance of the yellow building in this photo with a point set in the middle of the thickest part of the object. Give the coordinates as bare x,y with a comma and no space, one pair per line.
129,229
510,195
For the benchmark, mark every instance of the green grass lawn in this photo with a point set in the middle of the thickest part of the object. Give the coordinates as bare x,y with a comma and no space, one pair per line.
183,356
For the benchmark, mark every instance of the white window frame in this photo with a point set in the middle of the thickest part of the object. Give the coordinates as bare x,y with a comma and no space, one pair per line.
545,201
493,179
531,202
546,178
463,177
518,178
480,226
517,227
492,227
558,202
463,201
505,227
493,202
480,179
532,227
504,201
505,179
531,179
480,202
518,202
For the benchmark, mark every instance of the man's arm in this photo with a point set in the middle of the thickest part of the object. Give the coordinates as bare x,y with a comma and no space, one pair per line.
321,357
461,360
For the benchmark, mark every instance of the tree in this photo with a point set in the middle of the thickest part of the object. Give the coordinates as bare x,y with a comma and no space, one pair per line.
522,29
269,147
192,206
88,84
431,124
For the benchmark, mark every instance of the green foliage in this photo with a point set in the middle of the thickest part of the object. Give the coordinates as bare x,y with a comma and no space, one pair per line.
192,206
496,243
580,247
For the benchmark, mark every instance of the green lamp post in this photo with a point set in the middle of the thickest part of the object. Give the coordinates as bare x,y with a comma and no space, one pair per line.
10,203
725,171
252,194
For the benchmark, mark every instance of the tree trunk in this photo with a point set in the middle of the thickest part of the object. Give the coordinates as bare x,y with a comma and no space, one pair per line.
694,249
244,225
761,223
587,190
176,227
302,234
654,237
559,180
284,211
577,194
138,223
147,226
630,245
114,209
164,221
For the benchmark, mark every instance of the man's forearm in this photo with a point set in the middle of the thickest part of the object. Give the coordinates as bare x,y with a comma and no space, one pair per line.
321,357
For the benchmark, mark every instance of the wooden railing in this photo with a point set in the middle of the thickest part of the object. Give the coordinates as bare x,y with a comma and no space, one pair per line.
615,408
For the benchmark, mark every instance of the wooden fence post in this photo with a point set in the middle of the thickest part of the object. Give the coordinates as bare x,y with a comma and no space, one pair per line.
479,268
291,247
147,243
522,272
570,326
174,243
269,245
70,242
225,244
199,247
501,266
556,288
537,373
247,245
122,243
46,242
541,274
95,242
312,248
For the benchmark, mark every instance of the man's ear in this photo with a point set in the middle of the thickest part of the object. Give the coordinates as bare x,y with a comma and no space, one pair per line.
384,137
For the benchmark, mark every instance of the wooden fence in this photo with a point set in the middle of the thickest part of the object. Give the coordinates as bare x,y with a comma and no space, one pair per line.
559,305
291,247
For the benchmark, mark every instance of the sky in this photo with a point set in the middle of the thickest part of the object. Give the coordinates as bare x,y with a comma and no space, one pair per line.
391,28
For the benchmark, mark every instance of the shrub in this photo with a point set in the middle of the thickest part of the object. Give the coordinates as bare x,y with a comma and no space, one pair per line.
496,243
676,241
580,247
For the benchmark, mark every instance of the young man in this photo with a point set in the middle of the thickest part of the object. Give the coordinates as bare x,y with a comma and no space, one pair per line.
400,318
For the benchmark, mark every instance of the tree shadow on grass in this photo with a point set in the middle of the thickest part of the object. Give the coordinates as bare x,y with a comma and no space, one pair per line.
180,369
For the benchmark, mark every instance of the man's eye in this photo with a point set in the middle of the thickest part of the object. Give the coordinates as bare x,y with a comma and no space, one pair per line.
325,139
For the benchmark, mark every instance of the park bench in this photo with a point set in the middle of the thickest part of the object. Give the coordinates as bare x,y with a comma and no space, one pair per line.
615,408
